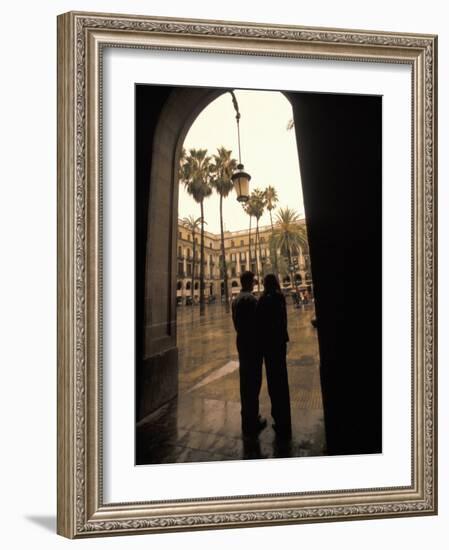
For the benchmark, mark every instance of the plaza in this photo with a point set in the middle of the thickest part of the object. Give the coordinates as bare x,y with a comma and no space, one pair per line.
241,253
203,422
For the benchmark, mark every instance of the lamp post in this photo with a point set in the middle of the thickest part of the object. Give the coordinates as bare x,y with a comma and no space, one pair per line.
240,178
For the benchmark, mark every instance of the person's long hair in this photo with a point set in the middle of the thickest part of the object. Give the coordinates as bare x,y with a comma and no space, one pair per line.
271,284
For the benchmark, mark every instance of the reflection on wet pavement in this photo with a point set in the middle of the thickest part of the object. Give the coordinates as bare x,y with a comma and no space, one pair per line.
203,422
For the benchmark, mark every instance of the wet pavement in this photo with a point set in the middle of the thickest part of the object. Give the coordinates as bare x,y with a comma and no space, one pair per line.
203,422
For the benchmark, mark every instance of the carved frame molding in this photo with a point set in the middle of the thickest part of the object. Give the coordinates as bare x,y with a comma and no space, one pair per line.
81,39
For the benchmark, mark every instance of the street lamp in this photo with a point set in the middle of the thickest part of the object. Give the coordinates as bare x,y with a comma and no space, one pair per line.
240,178
241,183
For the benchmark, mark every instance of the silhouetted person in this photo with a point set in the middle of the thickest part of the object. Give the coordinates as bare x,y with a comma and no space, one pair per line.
272,336
250,359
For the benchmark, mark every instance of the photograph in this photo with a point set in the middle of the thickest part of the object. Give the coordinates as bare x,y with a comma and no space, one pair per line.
258,276
246,274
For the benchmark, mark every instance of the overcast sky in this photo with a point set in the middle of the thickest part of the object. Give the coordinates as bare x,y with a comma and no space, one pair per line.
269,154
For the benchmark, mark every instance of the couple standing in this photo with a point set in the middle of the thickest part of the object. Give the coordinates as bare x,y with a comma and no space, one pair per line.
261,326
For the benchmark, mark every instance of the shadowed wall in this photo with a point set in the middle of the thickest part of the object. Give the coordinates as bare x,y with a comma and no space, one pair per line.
339,144
163,117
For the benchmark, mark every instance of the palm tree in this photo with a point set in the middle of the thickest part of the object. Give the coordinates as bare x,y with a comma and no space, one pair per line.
255,207
289,235
182,161
271,199
222,168
195,174
249,210
192,224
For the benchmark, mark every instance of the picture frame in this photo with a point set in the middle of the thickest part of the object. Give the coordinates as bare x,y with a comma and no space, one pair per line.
82,509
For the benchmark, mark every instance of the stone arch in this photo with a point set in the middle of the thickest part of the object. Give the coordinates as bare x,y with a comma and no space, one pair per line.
157,365
157,362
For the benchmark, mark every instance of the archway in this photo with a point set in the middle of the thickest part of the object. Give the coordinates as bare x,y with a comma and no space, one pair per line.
165,115
178,108
330,126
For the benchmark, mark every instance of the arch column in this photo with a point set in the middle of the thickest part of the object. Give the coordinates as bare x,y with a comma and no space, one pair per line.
165,116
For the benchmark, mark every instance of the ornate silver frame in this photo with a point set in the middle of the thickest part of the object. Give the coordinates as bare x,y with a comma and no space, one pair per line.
81,510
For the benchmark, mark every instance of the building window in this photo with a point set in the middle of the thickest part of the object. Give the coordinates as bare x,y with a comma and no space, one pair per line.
189,270
212,245
241,243
233,272
188,253
180,251
180,269
179,285
232,243
180,234
233,257
188,237
262,239
242,256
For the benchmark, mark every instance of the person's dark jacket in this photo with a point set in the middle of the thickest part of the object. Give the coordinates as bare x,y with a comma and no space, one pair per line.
271,324
244,318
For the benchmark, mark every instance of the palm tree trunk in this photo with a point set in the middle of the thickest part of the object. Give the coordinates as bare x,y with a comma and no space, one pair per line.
249,244
202,305
223,255
289,252
192,294
290,266
255,253
260,250
275,247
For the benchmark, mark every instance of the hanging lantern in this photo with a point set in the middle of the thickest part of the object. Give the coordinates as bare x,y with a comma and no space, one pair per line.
241,181
240,178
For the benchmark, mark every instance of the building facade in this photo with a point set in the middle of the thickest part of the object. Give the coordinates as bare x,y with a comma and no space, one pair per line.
294,275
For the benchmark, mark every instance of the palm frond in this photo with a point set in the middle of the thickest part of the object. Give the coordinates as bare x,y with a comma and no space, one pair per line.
222,168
